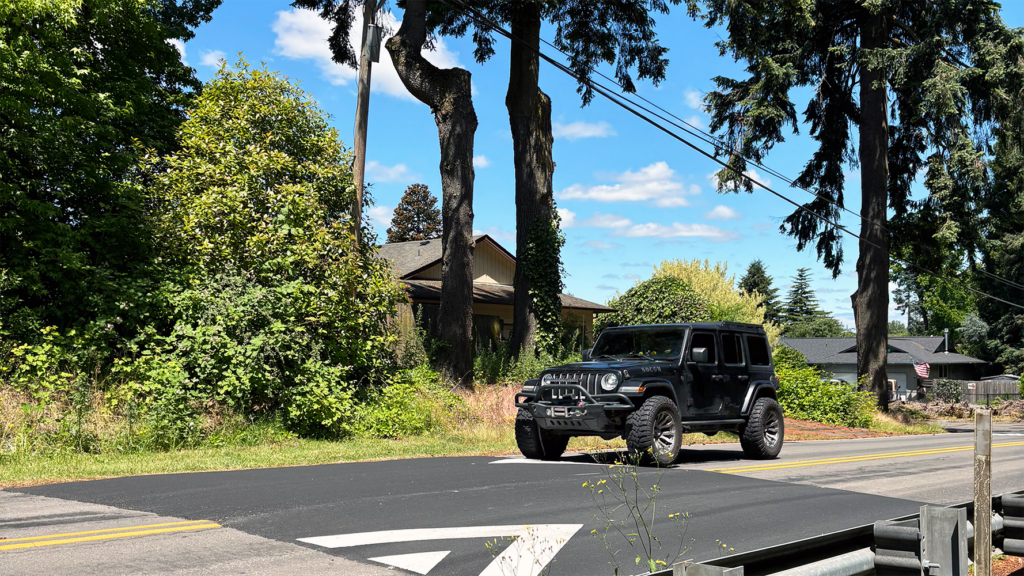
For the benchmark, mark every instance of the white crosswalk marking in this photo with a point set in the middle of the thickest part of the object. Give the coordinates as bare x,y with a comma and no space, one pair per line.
532,549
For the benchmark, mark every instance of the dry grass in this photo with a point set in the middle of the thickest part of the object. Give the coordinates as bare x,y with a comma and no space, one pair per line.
897,423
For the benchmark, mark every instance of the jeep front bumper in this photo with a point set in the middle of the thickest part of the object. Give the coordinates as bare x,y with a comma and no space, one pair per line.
570,407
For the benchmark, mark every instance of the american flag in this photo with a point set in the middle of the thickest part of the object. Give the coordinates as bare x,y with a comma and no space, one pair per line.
922,369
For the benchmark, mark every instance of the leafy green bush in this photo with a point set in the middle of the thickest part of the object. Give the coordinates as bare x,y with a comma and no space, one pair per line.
948,390
417,402
660,300
804,396
788,357
499,367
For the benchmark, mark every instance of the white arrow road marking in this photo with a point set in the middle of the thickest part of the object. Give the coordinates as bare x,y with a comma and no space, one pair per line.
420,563
534,546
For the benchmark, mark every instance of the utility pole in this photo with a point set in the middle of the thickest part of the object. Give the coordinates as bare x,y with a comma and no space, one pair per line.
369,52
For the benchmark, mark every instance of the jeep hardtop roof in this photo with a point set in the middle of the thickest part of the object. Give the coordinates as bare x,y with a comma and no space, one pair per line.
737,326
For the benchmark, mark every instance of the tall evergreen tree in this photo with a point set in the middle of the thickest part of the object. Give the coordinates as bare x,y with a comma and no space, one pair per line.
801,304
938,70
619,33
757,280
416,216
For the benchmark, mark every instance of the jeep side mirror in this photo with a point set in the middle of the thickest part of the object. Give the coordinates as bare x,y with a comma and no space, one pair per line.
699,355
585,355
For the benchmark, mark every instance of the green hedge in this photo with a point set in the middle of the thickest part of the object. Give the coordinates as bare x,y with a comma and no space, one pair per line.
948,390
804,396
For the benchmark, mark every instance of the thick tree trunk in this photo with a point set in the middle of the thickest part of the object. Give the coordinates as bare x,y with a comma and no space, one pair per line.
529,115
871,300
448,92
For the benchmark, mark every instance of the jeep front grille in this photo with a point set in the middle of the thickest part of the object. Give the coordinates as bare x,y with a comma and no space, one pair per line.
590,381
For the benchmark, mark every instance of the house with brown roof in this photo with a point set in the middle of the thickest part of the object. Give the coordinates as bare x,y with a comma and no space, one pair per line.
418,265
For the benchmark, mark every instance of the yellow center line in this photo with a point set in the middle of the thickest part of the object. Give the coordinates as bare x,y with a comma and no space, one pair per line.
108,536
848,459
104,530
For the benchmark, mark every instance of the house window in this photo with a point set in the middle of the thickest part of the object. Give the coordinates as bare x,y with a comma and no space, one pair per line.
940,371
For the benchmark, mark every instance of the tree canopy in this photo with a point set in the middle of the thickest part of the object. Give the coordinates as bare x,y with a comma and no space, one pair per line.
87,85
660,300
416,217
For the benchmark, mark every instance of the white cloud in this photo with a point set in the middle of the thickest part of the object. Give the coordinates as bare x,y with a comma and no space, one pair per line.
481,161
605,287
380,216
599,220
611,276
600,245
632,276
180,47
381,173
636,265
693,99
568,217
302,35
211,58
577,130
677,230
656,183
721,212
696,122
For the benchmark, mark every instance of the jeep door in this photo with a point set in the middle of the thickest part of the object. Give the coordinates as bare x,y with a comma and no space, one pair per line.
735,374
704,376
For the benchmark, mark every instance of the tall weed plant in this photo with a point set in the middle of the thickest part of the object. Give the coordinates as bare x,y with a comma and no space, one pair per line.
500,367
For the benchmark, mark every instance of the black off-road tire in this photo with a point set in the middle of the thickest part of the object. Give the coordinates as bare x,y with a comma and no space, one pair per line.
535,443
654,432
765,431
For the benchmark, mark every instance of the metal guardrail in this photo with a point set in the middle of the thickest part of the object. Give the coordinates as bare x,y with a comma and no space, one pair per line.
935,542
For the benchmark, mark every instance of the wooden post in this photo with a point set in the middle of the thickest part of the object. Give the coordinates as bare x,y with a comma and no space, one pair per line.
362,117
983,493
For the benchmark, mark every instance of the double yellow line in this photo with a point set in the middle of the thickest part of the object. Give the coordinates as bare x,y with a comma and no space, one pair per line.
846,459
108,534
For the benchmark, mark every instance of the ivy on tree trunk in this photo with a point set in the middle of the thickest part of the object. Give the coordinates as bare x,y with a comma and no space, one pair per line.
537,283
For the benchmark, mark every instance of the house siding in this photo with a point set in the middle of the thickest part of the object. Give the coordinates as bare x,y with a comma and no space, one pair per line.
490,266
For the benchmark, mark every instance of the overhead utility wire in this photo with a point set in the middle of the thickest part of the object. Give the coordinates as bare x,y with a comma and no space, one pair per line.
597,87
713,141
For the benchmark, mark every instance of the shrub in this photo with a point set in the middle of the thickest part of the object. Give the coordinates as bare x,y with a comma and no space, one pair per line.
804,396
659,300
498,367
948,390
416,402
788,357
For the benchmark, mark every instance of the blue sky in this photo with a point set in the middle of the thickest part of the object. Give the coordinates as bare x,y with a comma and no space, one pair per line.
630,196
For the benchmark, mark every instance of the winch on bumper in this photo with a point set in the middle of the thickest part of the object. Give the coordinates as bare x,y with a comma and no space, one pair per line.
571,407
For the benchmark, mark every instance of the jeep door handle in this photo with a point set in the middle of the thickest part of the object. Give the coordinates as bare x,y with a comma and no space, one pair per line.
718,378
743,378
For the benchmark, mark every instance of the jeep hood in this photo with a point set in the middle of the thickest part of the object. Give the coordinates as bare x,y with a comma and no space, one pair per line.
636,367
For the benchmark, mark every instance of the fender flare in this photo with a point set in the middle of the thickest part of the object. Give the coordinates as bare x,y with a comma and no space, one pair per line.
663,386
757,390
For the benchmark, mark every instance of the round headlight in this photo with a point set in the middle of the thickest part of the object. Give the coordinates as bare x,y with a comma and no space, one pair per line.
610,381
546,379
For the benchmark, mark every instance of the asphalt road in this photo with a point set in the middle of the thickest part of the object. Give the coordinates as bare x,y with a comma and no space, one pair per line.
435,515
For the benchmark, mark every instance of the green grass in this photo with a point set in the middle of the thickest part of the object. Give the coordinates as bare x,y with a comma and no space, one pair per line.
897,424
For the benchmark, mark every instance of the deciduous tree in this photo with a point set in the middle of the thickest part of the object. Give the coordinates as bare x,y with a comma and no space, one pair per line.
85,86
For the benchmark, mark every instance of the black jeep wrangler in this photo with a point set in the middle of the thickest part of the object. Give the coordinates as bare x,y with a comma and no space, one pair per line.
650,384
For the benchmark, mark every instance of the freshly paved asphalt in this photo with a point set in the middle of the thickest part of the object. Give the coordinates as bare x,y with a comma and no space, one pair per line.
745,504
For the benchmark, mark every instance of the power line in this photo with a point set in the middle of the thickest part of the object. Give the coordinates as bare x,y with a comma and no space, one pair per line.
700,134
625,104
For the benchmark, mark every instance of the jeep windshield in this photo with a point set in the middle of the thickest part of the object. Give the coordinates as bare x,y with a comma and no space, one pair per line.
648,342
